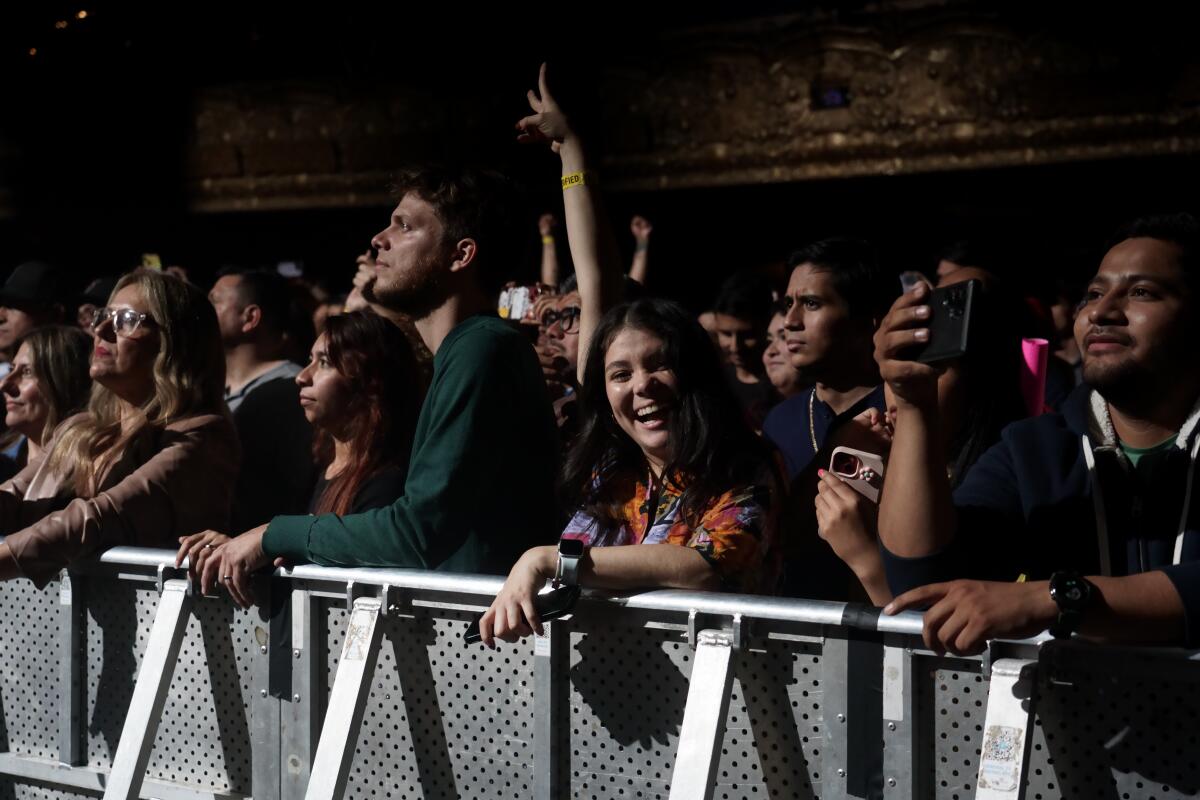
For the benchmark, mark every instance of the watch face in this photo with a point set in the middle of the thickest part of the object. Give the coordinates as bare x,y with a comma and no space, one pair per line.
571,548
1070,591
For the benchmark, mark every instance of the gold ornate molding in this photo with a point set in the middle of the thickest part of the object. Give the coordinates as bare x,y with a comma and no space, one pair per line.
737,105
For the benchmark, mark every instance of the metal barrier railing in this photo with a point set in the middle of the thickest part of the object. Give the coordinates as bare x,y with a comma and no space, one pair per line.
355,683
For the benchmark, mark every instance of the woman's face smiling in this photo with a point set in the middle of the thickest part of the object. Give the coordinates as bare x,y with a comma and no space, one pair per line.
641,388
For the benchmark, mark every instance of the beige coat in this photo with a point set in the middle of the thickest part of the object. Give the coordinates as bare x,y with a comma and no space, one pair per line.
177,481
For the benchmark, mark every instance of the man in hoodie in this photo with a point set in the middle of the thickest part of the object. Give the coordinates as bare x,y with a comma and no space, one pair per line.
1080,522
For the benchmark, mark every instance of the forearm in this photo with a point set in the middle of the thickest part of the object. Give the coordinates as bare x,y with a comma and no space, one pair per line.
1143,608
870,573
638,270
593,248
916,511
549,261
636,566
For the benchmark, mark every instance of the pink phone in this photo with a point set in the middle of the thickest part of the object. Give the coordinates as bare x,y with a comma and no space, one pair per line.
863,471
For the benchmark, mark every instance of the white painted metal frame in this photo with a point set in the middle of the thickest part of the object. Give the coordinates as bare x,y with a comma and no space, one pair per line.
704,717
347,701
150,692
1004,753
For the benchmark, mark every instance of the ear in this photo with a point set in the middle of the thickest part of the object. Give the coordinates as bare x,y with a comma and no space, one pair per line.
251,317
463,254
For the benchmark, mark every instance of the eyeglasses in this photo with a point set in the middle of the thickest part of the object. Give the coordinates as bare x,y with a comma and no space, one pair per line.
124,320
567,318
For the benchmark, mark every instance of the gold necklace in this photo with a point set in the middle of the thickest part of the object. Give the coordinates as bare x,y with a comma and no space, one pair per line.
812,432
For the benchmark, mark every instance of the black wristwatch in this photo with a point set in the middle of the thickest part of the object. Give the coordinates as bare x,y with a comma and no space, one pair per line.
570,553
1072,593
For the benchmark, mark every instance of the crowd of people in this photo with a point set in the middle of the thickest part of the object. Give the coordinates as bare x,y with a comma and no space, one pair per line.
583,432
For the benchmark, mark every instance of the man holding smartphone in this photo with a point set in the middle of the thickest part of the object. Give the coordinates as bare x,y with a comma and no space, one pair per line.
836,295
1103,489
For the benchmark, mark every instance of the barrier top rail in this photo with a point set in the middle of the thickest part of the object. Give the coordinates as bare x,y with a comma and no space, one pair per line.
816,612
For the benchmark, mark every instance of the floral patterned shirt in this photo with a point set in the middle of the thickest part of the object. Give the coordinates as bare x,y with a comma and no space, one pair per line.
736,533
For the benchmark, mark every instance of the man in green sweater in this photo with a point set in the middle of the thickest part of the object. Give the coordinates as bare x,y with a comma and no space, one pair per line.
480,484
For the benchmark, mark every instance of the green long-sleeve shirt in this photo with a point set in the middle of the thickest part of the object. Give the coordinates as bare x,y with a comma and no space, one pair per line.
480,486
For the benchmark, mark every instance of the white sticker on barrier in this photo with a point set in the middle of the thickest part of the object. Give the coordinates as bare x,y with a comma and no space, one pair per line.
1000,761
358,636
298,620
893,684
64,591
541,645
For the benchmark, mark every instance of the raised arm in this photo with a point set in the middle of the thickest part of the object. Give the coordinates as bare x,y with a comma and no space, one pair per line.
589,235
916,512
641,229
547,224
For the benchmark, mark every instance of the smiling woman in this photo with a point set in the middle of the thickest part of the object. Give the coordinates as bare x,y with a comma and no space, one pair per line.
154,455
669,484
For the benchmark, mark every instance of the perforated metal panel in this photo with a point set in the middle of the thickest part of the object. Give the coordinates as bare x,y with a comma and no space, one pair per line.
29,681
33,791
953,697
1125,727
442,720
203,739
629,687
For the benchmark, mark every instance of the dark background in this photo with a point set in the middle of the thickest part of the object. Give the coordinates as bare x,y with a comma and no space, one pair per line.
97,123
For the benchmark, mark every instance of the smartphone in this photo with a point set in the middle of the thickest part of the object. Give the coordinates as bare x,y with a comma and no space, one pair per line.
949,321
551,605
862,470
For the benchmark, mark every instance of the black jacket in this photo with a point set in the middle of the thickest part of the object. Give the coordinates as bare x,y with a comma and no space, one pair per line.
1057,492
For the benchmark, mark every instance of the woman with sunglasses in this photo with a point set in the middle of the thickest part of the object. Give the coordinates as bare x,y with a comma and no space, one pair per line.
153,457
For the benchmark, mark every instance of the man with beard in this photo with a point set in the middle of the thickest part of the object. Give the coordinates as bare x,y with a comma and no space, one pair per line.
1102,490
480,483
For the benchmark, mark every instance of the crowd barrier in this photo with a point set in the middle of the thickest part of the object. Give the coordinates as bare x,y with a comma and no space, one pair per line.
116,681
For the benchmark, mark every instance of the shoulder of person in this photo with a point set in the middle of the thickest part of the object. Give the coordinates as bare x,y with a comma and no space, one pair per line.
276,390
785,413
483,340
216,425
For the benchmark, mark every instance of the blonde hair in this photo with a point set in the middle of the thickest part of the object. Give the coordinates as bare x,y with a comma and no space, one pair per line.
189,379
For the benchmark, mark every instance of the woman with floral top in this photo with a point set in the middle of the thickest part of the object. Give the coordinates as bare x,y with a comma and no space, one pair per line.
671,487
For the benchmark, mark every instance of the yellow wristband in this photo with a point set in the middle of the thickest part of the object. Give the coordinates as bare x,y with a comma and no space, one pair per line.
576,179
547,240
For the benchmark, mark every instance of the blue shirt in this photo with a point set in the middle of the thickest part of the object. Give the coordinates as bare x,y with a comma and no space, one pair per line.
787,425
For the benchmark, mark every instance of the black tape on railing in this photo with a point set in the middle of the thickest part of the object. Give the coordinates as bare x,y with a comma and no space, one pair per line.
861,616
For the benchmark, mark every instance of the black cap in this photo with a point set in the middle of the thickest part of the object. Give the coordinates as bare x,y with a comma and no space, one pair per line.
98,291
34,283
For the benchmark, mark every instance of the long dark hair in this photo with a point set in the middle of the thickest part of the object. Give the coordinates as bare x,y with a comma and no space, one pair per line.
374,355
713,450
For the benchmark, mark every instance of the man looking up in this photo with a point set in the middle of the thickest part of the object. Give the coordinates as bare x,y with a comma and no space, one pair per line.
480,487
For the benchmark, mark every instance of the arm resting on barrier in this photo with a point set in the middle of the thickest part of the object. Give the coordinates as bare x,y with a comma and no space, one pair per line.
962,615
479,487
183,487
512,614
